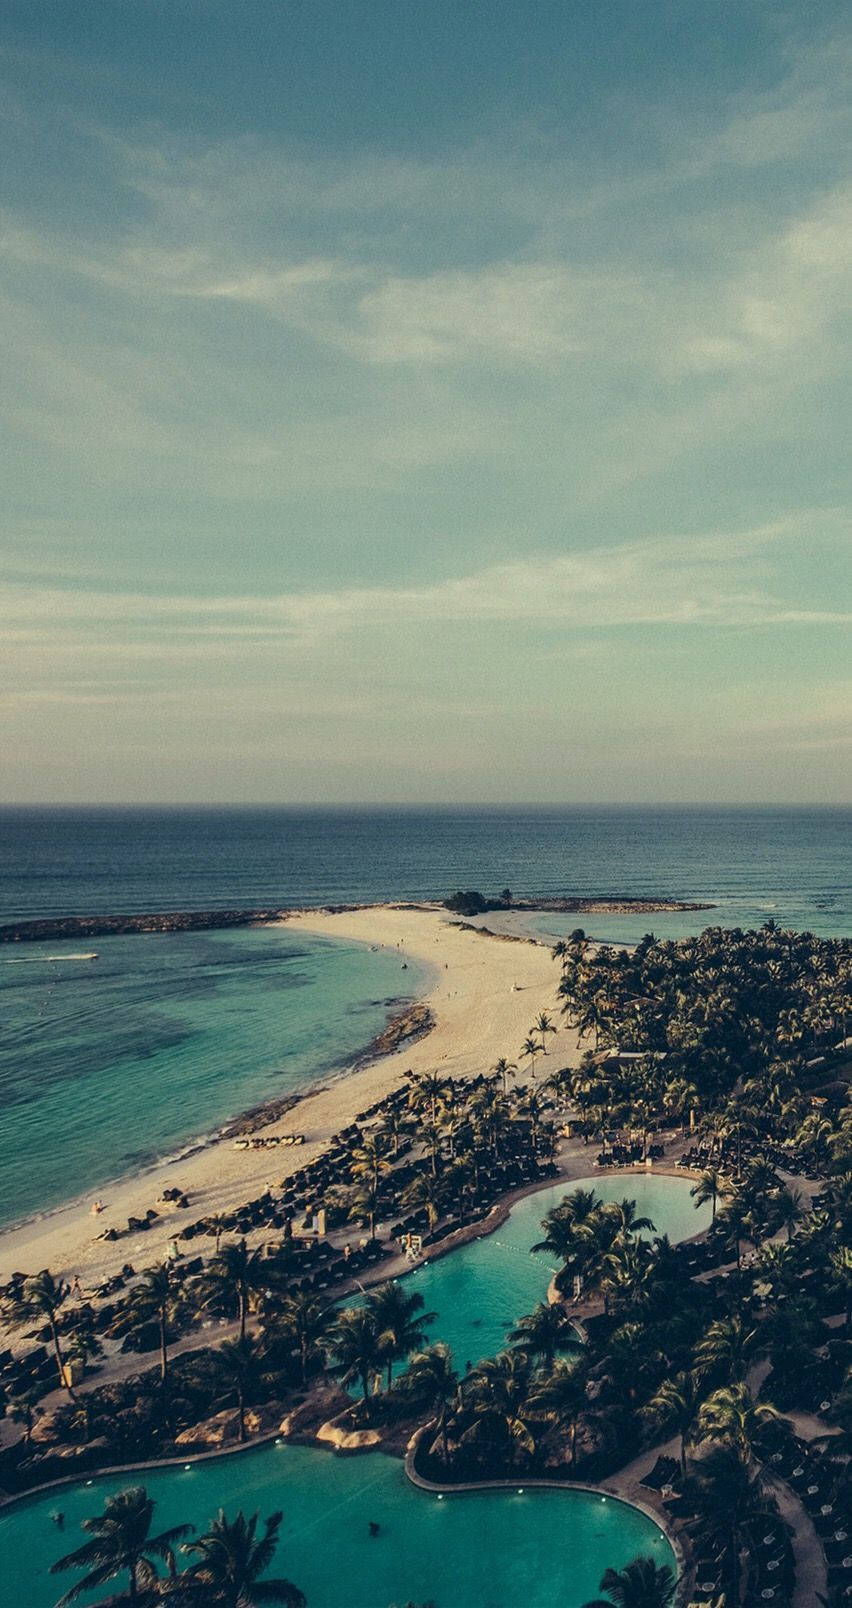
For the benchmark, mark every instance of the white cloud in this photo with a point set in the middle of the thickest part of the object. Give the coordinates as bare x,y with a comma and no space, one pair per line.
713,581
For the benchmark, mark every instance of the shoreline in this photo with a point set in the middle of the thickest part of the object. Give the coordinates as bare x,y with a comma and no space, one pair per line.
483,997
252,1120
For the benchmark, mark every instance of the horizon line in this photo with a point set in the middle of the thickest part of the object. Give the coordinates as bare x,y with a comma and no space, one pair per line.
413,804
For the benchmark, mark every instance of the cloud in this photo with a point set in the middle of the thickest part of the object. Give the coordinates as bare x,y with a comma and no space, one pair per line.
707,582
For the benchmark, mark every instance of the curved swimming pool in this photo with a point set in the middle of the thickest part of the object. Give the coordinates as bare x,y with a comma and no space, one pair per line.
481,1549
480,1290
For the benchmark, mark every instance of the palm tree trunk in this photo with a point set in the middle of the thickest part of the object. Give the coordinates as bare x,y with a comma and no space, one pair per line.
164,1358
60,1364
243,1305
241,1411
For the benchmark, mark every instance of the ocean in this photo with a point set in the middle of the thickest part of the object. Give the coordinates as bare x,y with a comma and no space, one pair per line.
106,1066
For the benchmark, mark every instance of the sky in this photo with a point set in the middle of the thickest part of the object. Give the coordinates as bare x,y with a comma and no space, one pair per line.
414,401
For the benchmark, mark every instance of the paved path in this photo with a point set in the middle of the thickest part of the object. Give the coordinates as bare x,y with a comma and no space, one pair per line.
811,1574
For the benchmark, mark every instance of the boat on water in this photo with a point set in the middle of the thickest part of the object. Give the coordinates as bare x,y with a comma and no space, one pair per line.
29,960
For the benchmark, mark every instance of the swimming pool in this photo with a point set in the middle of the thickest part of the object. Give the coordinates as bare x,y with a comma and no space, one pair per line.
484,1549
480,1290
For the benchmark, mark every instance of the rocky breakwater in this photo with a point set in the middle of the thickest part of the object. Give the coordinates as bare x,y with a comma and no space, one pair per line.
58,927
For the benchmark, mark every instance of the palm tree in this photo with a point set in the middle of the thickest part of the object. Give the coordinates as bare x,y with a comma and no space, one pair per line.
625,1220
734,1223
369,1161
430,1377
122,1542
400,1321
39,1301
789,1210
357,1347
432,1135
304,1323
237,1276
561,1395
427,1089
841,1267
22,1410
498,1391
426,1193
504,1069
579,1233
230,1561
642,1584
544,1332
393,1125
711,1184
674,1406
237,1368
581,1206
732,1416
157,1296
529,1050
544,1025
364,1201
728,1348
728,1498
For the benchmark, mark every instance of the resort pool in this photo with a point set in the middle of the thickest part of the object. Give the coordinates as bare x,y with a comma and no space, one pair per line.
487,1549
480,1290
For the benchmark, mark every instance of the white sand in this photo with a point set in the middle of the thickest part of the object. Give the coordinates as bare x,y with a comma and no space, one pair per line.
486,997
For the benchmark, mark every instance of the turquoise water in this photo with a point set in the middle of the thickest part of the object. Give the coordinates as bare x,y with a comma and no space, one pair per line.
542,1549
801,915
116,1062
113,1063
480,1290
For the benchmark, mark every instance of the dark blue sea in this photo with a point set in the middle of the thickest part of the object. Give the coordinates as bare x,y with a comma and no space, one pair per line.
791,862
107,1065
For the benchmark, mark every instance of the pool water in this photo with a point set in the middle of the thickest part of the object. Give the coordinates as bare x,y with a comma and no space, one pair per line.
487,1549
480,1290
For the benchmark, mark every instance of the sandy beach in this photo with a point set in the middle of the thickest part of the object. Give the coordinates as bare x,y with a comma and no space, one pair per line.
486,995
